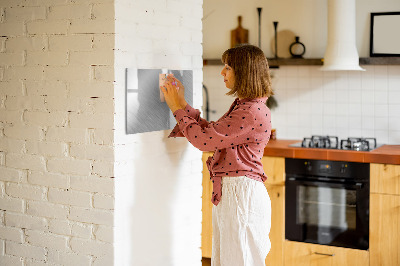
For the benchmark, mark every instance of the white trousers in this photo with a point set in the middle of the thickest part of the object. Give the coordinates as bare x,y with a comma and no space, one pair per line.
241,223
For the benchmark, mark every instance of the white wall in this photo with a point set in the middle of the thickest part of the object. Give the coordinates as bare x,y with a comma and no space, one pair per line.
56,132
305,18
344,103
158,180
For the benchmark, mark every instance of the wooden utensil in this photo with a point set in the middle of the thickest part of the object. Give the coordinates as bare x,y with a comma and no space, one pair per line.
239,35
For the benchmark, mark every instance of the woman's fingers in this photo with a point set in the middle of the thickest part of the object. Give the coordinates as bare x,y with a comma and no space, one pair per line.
164,91
169,91
180,89
170,87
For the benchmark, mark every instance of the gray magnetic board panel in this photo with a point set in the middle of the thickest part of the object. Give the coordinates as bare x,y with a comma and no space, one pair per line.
144,110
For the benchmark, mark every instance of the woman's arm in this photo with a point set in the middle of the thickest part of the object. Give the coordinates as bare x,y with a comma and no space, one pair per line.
237,128
193,113
174,93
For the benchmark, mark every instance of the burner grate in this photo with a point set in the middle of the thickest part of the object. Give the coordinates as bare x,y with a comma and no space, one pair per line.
332,142
358,144
327,142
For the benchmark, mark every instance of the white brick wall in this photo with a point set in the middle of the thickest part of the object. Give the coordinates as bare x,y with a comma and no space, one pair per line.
59,79
25,221
56,132
156,178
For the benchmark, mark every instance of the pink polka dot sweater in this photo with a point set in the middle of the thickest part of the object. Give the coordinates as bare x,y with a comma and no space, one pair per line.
238,139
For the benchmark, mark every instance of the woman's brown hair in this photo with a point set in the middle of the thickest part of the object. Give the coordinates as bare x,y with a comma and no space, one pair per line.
250,66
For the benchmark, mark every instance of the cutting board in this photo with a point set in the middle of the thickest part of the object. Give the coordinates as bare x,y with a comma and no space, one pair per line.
285,39
239,35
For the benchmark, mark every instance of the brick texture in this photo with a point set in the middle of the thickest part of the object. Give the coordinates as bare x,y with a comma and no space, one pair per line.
62,94
56,122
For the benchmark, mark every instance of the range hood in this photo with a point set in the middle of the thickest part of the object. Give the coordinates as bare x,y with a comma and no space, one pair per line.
341,51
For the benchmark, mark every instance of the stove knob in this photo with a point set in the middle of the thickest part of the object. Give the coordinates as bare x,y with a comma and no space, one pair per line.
308,166
343,168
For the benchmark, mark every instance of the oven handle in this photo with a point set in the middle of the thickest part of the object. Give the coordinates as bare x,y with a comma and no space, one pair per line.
357,185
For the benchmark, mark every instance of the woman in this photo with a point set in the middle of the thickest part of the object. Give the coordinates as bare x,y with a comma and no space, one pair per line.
242,209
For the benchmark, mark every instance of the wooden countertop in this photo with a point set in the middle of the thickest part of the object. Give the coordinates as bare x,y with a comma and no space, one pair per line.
389,154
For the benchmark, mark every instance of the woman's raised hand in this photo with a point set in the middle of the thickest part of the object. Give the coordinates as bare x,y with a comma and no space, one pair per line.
181,90
171,94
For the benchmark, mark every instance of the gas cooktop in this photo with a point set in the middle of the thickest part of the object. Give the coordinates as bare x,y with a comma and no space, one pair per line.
332,142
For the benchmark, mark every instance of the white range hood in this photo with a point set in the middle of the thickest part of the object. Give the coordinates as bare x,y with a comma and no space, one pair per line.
341,51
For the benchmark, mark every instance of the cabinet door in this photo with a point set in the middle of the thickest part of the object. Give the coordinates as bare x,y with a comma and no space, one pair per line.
385,178
304,254
206,232
277,233
274,168
384,229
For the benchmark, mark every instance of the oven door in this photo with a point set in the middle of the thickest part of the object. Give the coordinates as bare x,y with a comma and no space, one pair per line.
327,213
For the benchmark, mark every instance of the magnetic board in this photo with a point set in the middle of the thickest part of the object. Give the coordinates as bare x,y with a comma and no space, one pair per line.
145,112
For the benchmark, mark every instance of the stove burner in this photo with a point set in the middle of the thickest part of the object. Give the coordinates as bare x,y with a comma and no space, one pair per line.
358,144
332,142
328,142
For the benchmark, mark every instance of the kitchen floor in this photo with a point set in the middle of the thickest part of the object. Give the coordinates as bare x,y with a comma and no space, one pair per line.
206,261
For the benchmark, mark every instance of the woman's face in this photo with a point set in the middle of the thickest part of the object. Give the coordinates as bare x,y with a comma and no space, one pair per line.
229,76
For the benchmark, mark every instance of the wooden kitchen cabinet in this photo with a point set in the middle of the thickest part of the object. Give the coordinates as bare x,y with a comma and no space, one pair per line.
206,225
305,254
277,233
384,236
385,178
274,168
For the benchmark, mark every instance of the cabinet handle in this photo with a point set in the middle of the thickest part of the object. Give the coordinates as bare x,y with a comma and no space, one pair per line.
325,254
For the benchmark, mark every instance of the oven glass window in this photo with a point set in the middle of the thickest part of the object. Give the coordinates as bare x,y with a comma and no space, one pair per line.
326,207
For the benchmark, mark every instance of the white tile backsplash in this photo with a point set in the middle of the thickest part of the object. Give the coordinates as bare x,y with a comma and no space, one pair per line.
367,110
345,103
354,83
393,71
394,123
394,137
380,71
367,97
394,82
382,110
394,97
394,110
381,97
381,83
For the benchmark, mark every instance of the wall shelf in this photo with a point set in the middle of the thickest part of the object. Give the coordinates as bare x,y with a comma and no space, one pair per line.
274,63
380,61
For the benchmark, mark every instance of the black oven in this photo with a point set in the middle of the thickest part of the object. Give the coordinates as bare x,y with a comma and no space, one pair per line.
327,202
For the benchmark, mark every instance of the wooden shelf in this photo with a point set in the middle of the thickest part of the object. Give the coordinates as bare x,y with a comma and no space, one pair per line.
295,62
380,61
274,63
